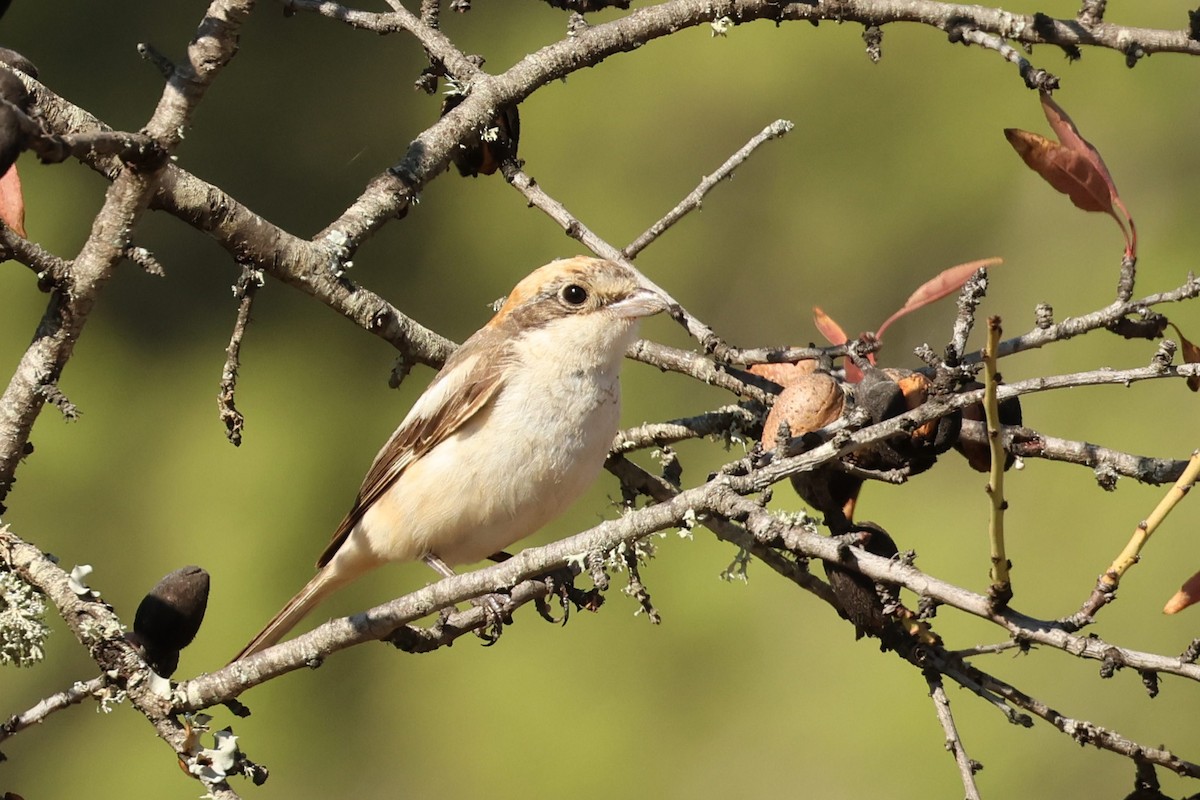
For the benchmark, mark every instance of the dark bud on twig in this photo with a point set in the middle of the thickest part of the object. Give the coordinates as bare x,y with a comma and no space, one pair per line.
484,151
427,80
169,617
873,36
1194,25
1145,784
1150,326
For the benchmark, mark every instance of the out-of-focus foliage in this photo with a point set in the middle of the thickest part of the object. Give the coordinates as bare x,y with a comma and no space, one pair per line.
894,172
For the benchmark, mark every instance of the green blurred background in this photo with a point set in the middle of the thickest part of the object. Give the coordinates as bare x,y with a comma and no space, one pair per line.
894,172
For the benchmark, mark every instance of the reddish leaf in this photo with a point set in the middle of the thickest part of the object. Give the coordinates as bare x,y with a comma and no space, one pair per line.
828,328
944,283
1191,355
1074,167
1064,127
12,202
1187,595
1064,169
835,335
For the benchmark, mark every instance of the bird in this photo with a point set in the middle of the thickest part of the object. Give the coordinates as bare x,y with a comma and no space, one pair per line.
515,427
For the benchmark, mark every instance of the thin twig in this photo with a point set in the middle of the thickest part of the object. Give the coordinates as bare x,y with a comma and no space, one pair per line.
692,202
1110,579
1001,588
48,705
1026,442
1085,732
969,298
540,199
705,370
1034,77
941,704
1145,529
732,422
244,290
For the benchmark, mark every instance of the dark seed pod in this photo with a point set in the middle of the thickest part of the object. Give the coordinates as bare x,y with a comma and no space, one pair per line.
856,592
978,455
170,615
875,609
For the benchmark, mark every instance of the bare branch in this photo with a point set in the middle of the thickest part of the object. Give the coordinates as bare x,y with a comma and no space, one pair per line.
79,692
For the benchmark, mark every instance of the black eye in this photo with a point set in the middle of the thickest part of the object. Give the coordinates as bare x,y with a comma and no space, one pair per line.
573,294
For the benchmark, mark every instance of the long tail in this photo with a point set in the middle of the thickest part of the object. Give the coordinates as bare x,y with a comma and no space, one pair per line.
321,586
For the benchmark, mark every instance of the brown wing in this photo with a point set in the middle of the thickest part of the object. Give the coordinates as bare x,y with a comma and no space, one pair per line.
449,407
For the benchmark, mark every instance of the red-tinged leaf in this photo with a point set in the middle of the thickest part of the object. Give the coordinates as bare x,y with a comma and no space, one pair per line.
1187,595
12,202
1064,169
832,332
1064,128
1074,167
944,283
1191,355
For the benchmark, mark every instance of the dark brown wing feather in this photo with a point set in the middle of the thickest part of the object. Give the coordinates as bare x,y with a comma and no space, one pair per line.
419,434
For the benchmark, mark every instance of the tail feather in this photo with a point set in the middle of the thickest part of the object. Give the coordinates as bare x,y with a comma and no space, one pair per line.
316,590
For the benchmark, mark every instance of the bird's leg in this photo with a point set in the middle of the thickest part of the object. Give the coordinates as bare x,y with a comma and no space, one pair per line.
493,604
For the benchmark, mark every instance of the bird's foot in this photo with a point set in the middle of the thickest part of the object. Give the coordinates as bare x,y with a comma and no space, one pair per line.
495,614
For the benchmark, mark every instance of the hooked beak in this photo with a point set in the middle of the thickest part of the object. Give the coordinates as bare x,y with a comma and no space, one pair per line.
643,302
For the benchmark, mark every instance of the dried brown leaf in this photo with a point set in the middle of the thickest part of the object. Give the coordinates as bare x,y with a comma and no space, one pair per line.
12,201
1187,595
1074,167
832,332
1064,169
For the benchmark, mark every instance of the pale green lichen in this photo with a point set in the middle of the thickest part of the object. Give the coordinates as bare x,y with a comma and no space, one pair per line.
23,629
